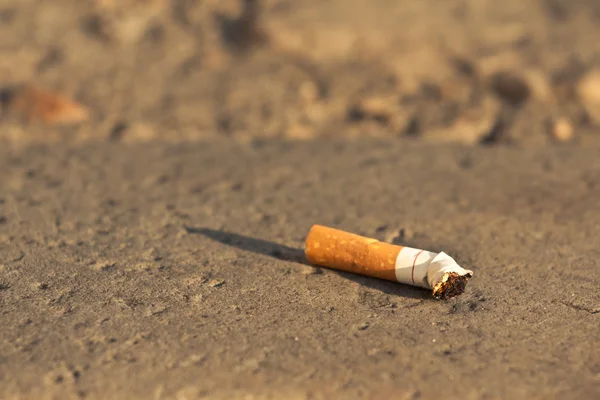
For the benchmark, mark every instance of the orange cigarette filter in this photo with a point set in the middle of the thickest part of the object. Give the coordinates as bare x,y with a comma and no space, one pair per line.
344,251
352,253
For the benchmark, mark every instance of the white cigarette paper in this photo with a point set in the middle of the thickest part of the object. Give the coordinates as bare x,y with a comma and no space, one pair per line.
426,269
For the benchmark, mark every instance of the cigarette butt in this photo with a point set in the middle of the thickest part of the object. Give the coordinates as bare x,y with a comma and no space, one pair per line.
348,252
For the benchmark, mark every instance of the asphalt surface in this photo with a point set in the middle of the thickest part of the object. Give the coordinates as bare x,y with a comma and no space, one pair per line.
176,272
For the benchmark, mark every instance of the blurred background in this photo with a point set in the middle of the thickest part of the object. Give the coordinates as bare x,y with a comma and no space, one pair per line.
468,71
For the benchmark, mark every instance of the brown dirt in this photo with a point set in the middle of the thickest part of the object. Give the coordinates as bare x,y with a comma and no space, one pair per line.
154,251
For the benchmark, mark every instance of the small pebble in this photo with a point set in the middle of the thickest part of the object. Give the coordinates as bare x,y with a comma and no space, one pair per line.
104,265
562,130
308,270
152,254
363,326
216,282
375,108
510,87
299,131
588,91
588,88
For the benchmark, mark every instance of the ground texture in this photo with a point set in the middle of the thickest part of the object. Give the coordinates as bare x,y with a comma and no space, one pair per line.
174,272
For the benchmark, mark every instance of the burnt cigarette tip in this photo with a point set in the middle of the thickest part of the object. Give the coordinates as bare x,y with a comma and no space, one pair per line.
451,285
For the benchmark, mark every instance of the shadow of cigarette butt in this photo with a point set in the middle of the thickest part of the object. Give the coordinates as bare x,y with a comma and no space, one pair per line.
258,246
286,253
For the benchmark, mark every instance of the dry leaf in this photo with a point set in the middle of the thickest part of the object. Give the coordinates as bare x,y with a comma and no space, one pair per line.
50,108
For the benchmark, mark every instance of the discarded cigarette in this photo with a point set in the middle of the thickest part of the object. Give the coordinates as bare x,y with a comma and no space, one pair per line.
346,251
